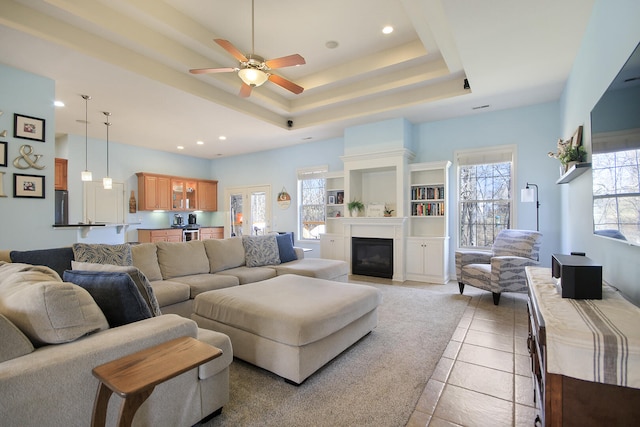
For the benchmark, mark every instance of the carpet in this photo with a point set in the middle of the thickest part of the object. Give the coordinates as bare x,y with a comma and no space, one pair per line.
377,381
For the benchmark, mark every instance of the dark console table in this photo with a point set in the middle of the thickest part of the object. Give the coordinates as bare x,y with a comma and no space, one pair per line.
585,356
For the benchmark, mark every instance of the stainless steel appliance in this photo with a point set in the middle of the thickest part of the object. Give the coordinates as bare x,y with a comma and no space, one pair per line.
177,220
61,207
192,219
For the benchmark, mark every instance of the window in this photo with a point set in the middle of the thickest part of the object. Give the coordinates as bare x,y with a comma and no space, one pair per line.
616,193
311,192
485,195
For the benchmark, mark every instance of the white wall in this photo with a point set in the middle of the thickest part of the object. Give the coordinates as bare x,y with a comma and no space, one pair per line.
612,34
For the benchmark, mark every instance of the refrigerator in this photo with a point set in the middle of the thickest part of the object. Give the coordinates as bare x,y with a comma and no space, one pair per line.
62,207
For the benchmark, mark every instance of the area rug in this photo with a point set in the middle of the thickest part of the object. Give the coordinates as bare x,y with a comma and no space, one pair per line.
377,381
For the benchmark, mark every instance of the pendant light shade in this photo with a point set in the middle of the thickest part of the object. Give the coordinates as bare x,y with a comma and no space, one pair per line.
106,181
86,173
253,77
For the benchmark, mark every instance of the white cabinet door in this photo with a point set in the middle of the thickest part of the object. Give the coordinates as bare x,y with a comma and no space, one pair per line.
332,246
426,259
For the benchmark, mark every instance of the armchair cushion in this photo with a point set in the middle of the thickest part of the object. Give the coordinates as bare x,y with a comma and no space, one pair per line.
522,243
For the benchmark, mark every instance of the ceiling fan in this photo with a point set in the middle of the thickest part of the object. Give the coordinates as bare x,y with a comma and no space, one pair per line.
253,70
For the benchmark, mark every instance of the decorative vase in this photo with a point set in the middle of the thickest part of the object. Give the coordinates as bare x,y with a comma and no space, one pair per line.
132,203
353,213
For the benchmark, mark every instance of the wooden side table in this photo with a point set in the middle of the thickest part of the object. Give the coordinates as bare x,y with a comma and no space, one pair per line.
134,377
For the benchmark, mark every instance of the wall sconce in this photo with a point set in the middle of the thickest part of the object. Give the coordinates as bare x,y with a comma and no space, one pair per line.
106,181
528,195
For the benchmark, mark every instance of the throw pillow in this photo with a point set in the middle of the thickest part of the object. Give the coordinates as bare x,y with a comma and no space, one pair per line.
260,250
138,277
58,259
45,309
285,247
115,293
103,254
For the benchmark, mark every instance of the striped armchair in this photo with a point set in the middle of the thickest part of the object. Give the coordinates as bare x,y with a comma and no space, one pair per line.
502,269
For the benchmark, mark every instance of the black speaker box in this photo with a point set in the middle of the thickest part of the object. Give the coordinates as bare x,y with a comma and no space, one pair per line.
580,277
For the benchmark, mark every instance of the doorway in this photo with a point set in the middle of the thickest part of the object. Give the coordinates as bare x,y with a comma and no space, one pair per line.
249,211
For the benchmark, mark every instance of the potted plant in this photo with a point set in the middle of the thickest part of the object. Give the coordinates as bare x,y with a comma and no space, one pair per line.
355,206
387,211
568,155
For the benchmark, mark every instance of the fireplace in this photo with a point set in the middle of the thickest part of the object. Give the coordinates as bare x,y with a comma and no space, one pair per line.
372,257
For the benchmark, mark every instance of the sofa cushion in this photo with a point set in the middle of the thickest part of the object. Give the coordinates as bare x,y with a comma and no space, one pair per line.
14,342
320,268
145,257
102,253
178,259
58,259
285,247
45,309
169,292
199,283
224,253
115,293
140,280
249,274
260,250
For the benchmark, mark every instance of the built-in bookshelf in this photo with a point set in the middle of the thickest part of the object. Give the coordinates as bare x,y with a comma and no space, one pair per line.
334,199
427,200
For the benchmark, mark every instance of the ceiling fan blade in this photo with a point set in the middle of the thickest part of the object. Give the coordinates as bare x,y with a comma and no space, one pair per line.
245,90
226,45
212,70
285,61
288,85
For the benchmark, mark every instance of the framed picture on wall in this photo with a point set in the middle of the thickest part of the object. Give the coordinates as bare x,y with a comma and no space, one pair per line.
29,186
3,153
26,127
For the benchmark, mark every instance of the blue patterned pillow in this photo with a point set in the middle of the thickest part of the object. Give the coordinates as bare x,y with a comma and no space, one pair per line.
260,250
115,293
103,254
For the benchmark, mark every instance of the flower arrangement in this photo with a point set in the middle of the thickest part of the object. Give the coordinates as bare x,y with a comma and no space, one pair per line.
567,152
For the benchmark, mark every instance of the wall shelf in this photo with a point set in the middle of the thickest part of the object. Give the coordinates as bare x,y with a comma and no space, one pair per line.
574,172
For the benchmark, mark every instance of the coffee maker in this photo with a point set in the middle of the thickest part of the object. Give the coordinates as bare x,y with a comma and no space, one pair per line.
177,221
192,219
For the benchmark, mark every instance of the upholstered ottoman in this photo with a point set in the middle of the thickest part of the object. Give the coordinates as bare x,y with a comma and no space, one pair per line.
290,325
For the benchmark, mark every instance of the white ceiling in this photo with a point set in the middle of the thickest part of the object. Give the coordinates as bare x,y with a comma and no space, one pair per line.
132,57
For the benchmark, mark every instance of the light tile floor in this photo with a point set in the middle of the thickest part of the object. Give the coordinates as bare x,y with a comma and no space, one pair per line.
484,375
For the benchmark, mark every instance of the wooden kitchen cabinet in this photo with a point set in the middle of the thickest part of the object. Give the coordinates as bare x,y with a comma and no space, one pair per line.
60,174
154,192
211,233
163,235
208,195
184,194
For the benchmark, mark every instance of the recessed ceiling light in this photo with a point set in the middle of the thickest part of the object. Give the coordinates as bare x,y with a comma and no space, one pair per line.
387,30
180,147
222,138
58,103
200,142
331,44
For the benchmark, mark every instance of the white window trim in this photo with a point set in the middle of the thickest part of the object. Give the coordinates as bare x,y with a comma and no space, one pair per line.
492,154
306,173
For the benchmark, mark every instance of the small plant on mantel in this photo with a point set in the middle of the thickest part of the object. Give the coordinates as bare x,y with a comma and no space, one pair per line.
387,211
355,206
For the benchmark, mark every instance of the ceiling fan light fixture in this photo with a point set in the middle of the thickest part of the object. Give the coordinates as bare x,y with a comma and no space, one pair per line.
253,77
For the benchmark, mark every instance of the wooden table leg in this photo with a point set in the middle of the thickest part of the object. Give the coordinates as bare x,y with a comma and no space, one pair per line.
99,417
130,406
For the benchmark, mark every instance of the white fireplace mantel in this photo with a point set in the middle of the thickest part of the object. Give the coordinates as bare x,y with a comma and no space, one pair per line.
382,228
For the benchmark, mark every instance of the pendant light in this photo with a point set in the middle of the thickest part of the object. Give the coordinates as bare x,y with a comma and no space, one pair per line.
86,173
106,181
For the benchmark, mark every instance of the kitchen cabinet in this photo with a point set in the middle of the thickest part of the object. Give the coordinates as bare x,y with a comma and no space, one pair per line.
162,235
427,259
60,174
183,194
154,192
332,246
211,233
207,195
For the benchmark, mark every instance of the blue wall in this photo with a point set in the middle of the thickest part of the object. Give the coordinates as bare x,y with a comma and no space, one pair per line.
612,34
